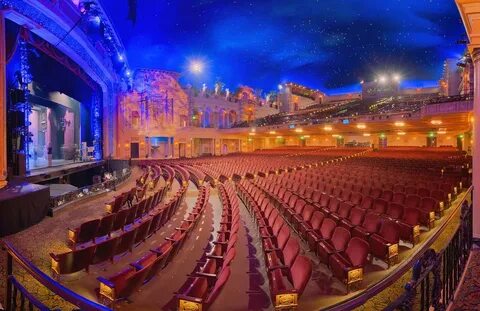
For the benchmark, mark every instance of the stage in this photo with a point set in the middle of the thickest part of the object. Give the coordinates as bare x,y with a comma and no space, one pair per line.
48,173
21,206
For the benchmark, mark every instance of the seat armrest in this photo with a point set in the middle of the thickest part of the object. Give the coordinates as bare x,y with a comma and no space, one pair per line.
214,257
275,249
208,275
156,252
136,266
105,281
283,267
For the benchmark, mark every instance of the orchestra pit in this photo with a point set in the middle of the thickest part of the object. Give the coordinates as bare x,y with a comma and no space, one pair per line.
132,177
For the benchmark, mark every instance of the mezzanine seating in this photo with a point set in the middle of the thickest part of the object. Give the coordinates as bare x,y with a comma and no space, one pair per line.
288,271
213,270
124,283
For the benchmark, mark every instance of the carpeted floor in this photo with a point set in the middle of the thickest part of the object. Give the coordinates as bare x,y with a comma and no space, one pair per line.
468,296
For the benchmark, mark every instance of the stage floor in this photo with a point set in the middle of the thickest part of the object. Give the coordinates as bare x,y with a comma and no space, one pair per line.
42,163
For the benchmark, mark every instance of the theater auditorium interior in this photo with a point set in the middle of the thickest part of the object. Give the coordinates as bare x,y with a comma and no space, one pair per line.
239,155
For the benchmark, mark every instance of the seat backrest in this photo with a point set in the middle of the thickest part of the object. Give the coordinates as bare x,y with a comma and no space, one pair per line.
337,192
429,204
291,251
317,194
344,209
346,195
367,202
395,211
325,198
387,195
326,230
333,204
390,231
376,193
423,192
76,260
299,206
371,223
106,225
412,200
379,206
439,195
410,190
356,198
399,188
357,252
88,230
356,216
317,219
307,212
279,222
283,237
411,216
120,219
301,272
340,238
398,197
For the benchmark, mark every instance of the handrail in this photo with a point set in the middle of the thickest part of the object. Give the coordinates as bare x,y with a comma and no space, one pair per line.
83,303
362,297
81,193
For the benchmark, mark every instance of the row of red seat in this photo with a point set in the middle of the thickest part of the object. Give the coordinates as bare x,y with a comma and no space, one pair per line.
346,262
288,271
124,283
95,252
213,269
381,202
98,228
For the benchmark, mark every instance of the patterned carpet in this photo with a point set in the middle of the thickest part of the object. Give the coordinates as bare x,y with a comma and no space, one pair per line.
468,297
48,236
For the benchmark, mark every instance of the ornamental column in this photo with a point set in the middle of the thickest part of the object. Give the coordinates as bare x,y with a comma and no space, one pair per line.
476,144
3,103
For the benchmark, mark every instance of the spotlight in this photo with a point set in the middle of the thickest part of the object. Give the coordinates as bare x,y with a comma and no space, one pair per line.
366,134
280,87
196,67
436,122
396,77
382,79
128,73
401,133
299,130
399,123
327,128
121,58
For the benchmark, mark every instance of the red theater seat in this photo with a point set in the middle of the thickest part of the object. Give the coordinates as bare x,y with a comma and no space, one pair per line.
371,224
384,244
314,224
409,228
325,232
354,219
348,266
337,243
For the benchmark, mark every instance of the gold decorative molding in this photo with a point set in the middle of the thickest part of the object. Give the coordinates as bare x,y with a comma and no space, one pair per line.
470,13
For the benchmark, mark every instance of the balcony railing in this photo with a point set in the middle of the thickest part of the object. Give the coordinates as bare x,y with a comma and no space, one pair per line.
436,276
88,191
18,298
